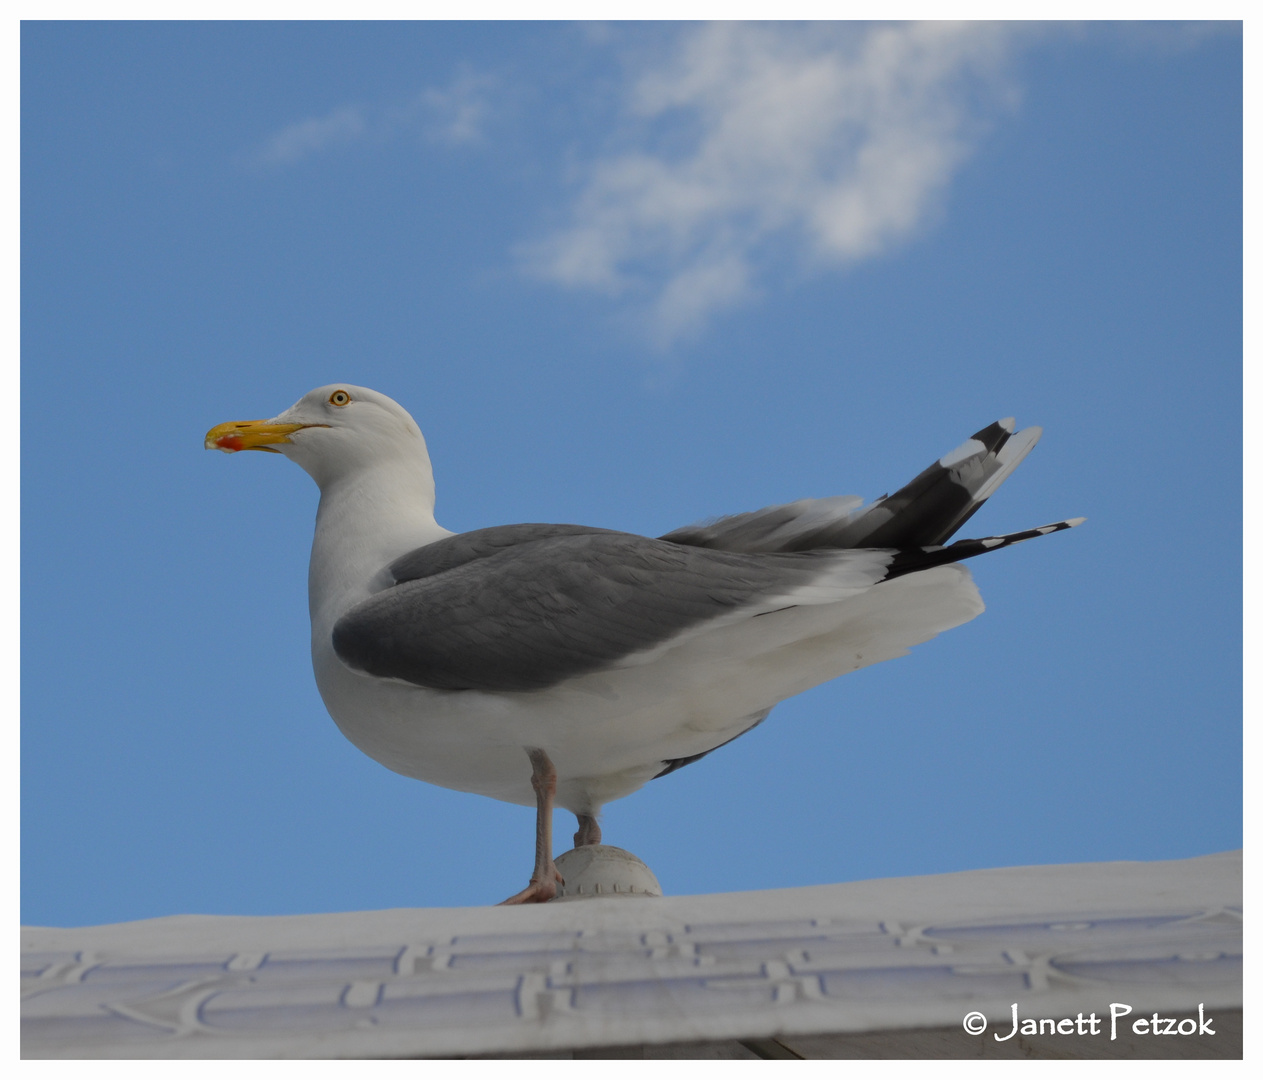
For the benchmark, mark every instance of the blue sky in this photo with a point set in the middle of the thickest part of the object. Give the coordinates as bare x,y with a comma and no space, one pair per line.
628,276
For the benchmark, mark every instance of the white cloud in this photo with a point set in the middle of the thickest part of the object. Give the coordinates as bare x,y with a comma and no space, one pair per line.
832,142
457,113
452,114
309,137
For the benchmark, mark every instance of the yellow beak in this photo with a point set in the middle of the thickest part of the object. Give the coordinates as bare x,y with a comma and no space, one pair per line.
249,435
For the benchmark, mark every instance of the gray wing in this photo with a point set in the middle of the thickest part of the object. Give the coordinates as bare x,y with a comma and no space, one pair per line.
924,512
526,607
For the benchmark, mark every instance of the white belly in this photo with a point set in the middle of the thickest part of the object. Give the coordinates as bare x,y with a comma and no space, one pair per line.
610,732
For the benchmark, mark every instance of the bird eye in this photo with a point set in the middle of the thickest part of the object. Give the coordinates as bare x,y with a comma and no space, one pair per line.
339,397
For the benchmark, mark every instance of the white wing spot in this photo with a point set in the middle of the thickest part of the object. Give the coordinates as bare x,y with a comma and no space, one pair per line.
969,448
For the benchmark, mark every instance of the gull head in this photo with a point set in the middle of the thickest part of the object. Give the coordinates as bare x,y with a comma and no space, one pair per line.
333,432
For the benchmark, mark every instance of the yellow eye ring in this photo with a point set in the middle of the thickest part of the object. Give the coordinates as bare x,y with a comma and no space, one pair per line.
339,397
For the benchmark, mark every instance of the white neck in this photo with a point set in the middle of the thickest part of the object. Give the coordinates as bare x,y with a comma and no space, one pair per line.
365,521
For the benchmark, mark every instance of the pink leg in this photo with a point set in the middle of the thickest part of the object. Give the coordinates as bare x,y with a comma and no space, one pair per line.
589,831
544,880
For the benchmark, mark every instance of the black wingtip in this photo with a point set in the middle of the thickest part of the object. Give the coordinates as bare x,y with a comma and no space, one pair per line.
994,436
912,560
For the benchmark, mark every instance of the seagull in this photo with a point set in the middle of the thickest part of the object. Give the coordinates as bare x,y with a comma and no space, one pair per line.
564,665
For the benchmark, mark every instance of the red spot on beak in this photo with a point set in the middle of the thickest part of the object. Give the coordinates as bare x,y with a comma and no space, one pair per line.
230,442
